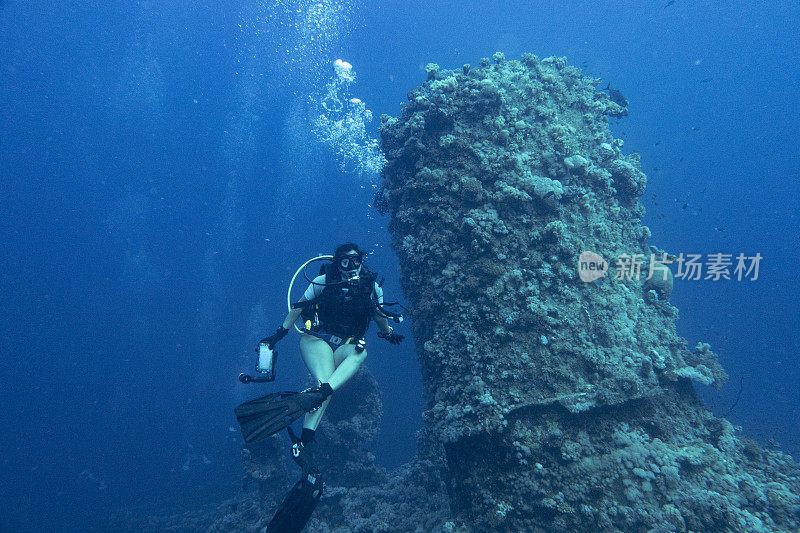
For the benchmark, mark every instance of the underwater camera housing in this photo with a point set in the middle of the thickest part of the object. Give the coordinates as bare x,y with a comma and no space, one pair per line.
265,365
267,357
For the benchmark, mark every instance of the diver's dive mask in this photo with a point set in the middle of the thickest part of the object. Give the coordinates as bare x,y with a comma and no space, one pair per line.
349,262
349,267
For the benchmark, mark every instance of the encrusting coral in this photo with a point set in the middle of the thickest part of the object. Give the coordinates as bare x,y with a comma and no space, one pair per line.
560,404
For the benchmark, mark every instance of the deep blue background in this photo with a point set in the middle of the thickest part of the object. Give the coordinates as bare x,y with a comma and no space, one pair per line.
157,190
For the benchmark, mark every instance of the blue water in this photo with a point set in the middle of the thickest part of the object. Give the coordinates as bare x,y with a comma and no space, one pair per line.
159,184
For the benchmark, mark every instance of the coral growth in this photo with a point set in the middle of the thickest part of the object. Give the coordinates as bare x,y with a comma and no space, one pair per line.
560,404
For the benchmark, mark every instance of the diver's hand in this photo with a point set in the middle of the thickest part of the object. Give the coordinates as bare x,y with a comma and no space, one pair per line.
273,339
392,337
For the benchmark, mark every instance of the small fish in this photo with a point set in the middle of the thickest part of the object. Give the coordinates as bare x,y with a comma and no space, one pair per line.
669,3
719,228
616,96
658,143
684,206
695,128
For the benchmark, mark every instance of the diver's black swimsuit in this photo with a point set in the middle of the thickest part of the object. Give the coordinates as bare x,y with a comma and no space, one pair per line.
333,341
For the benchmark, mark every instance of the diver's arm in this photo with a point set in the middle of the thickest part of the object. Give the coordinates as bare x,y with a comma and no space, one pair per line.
273,339
386,330
377,315
293,315
381,319
383,323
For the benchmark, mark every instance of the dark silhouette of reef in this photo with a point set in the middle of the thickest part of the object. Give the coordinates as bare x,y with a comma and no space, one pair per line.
551,404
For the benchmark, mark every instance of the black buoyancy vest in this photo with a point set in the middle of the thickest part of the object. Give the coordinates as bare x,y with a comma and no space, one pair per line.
345,309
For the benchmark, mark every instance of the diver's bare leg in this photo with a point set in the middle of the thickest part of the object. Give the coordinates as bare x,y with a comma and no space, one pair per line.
318,357
347,362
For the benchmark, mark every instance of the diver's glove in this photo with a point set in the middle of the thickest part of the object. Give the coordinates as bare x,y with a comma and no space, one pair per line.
392,337
273,339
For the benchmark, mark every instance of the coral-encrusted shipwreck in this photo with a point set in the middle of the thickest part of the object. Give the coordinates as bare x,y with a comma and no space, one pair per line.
551,404
560,404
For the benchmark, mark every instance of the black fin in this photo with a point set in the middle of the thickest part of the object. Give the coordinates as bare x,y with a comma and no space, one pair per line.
265,416
297,507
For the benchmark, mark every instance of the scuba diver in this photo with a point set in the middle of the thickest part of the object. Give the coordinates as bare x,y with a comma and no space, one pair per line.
336,309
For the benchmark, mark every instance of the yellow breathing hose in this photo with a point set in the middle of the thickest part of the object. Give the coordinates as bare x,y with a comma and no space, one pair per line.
291,283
